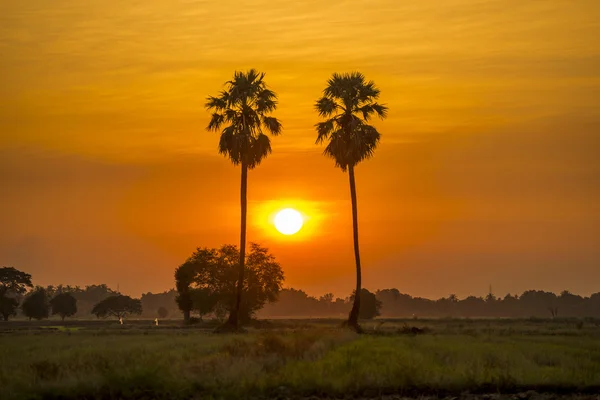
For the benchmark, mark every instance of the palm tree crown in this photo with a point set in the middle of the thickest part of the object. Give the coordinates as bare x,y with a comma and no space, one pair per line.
348,103
243,108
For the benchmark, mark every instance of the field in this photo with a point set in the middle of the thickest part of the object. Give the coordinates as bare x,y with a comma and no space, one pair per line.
301,359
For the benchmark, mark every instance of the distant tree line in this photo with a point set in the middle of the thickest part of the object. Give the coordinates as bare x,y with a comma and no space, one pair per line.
18,296
393,304
206,288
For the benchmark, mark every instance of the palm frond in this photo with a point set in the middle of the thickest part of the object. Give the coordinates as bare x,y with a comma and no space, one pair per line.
215,103
351,100
215,122
326,106
324,129
259,148
272,124
243,108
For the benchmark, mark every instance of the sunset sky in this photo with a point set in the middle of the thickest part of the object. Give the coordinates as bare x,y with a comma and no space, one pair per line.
488,171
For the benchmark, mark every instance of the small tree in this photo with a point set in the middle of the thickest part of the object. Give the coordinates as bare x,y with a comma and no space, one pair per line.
369,305
36,305
206,282
13,283
64,304
162,312
8,307
118,306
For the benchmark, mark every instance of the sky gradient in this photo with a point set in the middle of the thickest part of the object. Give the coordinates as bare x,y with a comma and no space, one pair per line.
488,171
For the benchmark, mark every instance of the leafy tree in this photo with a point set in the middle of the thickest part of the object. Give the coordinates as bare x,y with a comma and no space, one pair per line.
13,283
369,304
118,306
91,295
151,302
240,113
207,281
36,304
64,304
348,104
162,312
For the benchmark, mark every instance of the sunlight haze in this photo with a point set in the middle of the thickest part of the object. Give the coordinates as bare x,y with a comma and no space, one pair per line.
487,171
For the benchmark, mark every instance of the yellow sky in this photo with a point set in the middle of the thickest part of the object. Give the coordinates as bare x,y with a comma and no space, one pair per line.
487,172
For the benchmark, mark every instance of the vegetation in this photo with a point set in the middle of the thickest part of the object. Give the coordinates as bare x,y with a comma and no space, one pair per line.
162,312
348,104
13,283
64,304
36,304
240,113
301,358
206,282
118,306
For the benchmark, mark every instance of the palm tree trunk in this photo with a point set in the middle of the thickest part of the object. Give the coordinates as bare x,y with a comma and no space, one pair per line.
234,316
353,318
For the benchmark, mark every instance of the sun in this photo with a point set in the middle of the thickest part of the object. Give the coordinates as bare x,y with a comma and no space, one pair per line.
288,221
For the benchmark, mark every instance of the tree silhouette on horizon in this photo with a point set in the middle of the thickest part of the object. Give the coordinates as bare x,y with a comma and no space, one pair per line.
240,113
349,102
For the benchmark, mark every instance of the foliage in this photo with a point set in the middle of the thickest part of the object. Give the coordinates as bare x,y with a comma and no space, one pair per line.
13,283
118,306
296,303
153,302
369,305
14,280
64,304
348,104
36,304
8,307
162,312
207,280
241,113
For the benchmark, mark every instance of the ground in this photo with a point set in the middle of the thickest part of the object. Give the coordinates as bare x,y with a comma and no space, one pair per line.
444,358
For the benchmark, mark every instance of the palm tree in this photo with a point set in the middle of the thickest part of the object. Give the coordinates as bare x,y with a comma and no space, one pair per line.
240,114
348,104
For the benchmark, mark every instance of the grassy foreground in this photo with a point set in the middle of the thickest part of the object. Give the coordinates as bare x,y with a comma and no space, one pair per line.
83,362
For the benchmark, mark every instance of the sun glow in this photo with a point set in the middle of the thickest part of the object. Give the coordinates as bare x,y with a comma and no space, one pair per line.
288,221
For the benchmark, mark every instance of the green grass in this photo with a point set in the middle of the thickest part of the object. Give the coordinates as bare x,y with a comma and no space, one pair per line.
303,359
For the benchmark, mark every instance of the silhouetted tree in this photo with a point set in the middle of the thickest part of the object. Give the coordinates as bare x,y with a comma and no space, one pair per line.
240,113
348,104
88,297
151,302
369,305
64,304
118,306
36,304
162,312
206,282
13,283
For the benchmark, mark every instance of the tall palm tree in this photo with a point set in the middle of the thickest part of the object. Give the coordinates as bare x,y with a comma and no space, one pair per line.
348,104
241,114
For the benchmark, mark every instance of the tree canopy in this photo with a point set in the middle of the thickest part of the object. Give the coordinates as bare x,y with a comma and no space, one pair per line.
348,104
118,306
64,304
13,283
206,282
36,304
241,114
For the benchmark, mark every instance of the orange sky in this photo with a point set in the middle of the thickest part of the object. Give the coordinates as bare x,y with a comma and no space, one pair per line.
487,172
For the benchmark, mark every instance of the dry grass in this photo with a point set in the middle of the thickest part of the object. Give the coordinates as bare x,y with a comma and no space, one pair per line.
310,358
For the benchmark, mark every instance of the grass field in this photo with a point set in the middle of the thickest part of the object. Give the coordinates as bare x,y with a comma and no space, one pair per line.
300,358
